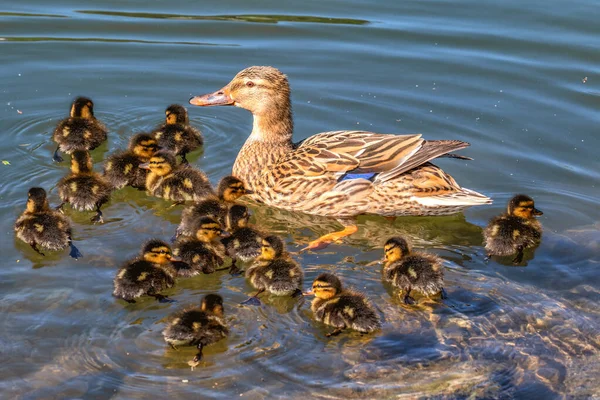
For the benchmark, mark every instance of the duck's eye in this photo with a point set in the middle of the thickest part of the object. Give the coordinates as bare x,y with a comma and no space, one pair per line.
250,84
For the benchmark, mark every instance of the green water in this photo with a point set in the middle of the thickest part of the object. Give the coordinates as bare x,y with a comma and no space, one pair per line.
518,80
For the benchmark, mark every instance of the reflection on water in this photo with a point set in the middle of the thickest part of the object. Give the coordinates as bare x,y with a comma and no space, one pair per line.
513,90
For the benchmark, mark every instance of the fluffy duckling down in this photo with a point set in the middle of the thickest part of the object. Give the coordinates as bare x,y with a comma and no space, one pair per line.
245,242
412,272
83,188
198,326
229,190
515,230
176,134
81,131
203,253
274,271
39,225
148,274
123,168
176,183
341,308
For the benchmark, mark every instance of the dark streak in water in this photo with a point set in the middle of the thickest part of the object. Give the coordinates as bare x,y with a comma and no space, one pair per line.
106,40
270,19
13,14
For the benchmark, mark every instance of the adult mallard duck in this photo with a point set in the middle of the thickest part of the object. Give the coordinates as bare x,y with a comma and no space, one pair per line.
339,174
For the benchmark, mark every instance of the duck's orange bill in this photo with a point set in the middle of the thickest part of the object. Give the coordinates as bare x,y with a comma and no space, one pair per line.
309,293
218,98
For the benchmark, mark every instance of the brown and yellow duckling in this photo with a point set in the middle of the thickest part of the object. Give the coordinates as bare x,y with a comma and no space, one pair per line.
123,168
39,225
81,131
229,190
203,253
176,183
274,271
176,134
412,272
245,242
198,326
83,188
148,274
341,308
514,231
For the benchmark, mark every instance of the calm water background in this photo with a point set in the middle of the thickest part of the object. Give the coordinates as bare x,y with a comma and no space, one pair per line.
518,80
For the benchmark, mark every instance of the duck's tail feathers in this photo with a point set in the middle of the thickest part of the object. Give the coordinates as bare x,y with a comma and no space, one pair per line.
463,197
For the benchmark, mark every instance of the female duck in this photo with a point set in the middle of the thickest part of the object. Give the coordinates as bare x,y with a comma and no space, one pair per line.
412,272
514,231
81,131
245,242
40,225
341,308
203,253
274,271
229,190
175,183
198,326
340,174
176,134
123,168
148,274
83,188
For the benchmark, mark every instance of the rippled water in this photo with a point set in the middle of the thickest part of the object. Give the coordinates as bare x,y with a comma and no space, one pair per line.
518,80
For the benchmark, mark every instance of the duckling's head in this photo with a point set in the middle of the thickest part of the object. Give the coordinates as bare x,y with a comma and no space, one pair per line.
143,145
161,163
176,114
522,206
209,229
257,89
157,251
272,247
231,188
326,286
82,107
37,200
212,303
395,248
237,217
81,162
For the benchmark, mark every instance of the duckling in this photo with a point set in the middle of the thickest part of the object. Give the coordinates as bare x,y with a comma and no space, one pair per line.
275,271
149,273
229,190
176,134
176,183
83,188
198,326
341,308
81,131
515,230
205,252
245,242
411,271
40,225
123,168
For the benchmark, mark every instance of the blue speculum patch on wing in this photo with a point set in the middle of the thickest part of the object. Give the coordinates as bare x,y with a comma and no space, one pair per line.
368,176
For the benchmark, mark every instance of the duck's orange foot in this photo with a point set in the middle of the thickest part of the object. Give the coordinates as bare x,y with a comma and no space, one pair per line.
326,240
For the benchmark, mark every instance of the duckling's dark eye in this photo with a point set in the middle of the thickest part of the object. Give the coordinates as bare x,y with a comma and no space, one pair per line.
250,84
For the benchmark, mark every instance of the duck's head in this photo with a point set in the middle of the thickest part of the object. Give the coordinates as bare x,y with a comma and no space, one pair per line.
395,248
272,247
209,229
260,90
161,163
37,200
176,114
157,251
143,145
237,217
82,107
212,303
231,188
81,162
522,206
326,286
